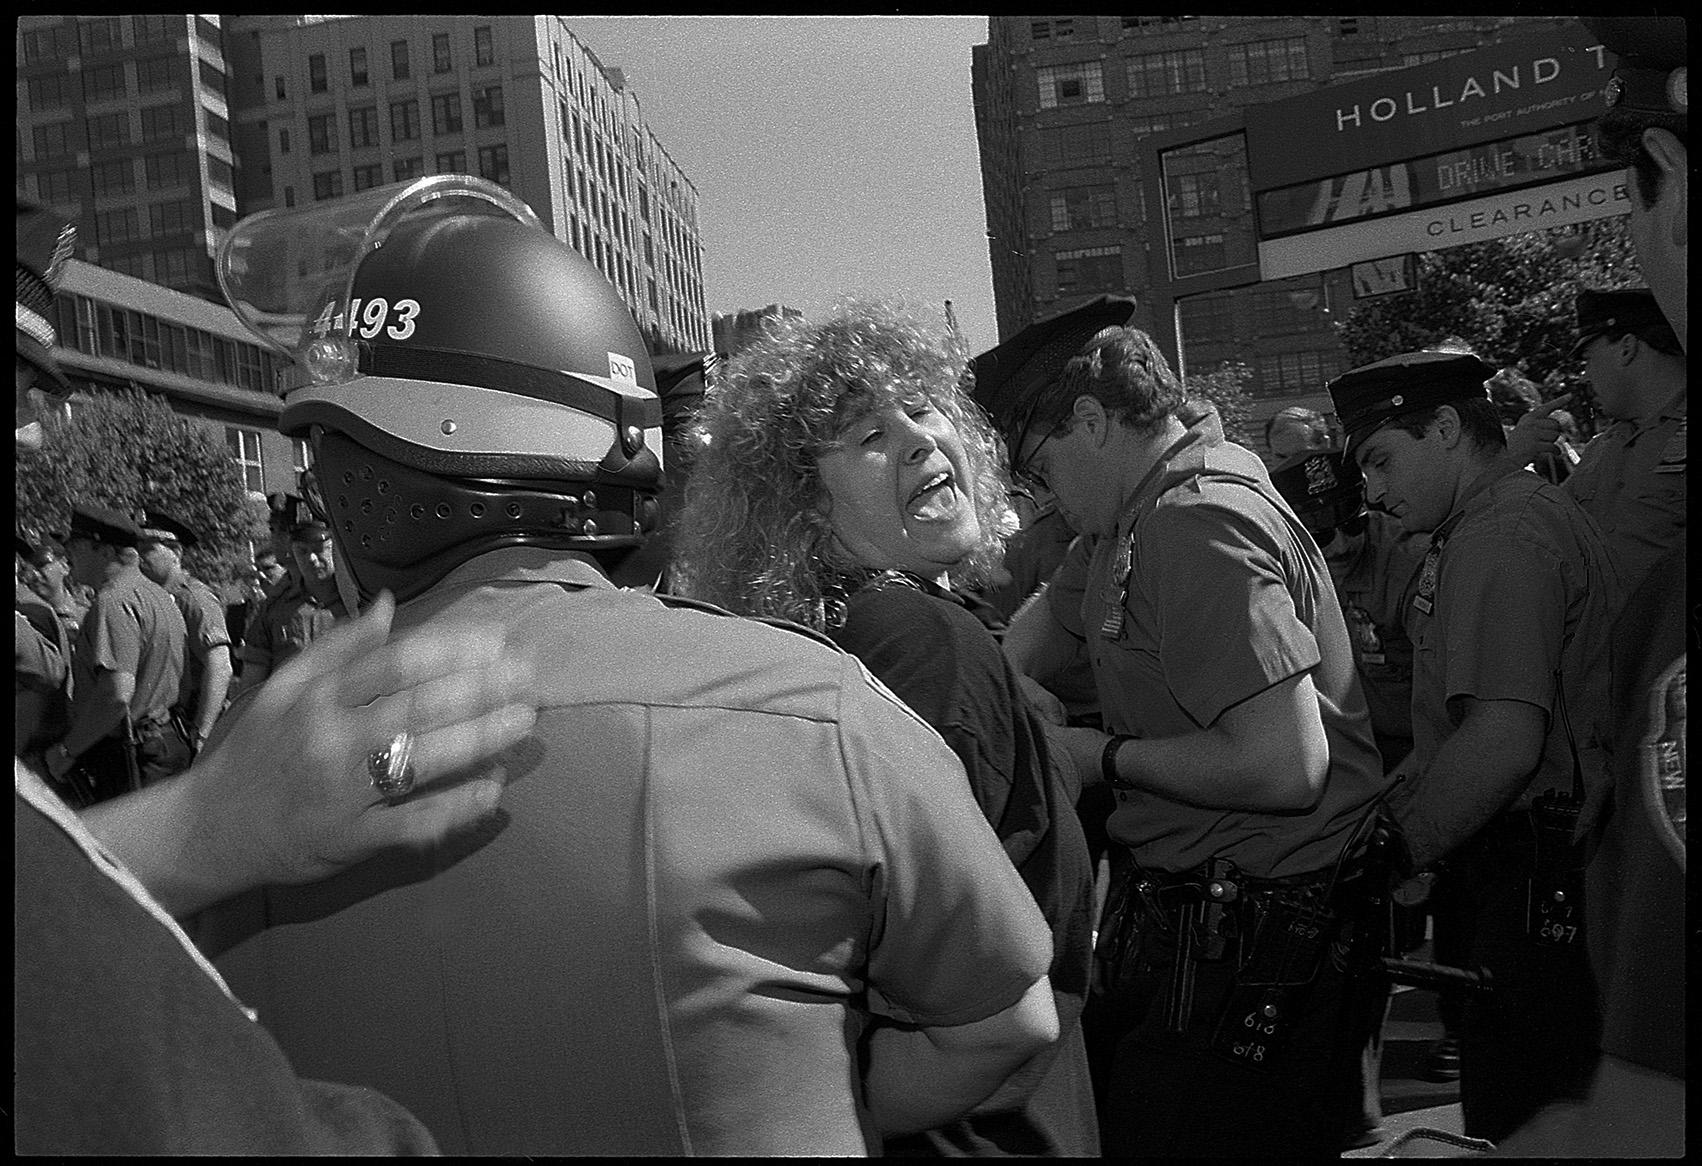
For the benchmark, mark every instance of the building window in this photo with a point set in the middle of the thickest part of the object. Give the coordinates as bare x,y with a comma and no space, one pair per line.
109,130
327,185
1199,253
322,134
446,113
164,170
1159,122
99,35
52,140
1131,23
1193,196
409,168
1077,84
111,178
399,70
357,68
217,126
493,164
487,106
171,267
1276,313
363,127
146,29
484,52
367,177
1347,26
117,226
301,455
244,447
219,172
317,79
404,121
170,218
207,31
47,44
213,78
154,74
1051,29
1289,373
1090,269
283,141
1086,144
1263,61
103,82
223,217
1155,74
289,196
278,84
1081,208
50,92
453,162
1208,319
160,122
54,187
441,62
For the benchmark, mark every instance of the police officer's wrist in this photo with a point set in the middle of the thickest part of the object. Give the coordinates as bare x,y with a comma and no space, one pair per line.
1108,761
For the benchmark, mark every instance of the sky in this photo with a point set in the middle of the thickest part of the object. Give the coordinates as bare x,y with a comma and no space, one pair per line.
832,156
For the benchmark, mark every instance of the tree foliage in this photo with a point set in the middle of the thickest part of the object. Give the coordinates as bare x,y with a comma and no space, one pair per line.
129,451
1511,299
1226,387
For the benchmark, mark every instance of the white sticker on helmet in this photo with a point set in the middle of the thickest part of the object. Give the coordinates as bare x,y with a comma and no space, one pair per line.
622,369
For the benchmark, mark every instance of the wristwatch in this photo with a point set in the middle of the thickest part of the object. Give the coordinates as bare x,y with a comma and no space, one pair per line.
1108,762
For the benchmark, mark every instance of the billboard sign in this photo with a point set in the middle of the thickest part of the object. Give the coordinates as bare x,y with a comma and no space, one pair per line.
1503,91
1509,212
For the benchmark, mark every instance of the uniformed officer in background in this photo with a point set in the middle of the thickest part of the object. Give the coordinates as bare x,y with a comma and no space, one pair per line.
1241,753
207,658
1637,897
1631,478
127,664
303,607
1509,621
41,702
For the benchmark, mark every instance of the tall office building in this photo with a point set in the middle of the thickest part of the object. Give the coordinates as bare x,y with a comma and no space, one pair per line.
327,106
1059,106
123,123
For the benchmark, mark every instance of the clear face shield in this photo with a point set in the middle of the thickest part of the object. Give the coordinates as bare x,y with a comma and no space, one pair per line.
288,275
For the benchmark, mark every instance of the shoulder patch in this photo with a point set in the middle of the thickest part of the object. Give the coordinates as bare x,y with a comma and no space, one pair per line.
1661,759
1672,454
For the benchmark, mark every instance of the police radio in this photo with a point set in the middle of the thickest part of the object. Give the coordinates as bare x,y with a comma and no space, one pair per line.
1554,895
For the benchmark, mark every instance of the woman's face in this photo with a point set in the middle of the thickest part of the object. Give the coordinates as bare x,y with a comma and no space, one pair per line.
901,490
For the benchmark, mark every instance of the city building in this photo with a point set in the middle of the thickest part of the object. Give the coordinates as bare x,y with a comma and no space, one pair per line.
1060,103
734,330
156,133
332,105
124,124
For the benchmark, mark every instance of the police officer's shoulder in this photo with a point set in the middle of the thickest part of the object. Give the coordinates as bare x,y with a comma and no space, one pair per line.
682,603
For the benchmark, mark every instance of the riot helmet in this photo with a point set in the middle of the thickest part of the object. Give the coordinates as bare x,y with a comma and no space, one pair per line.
465,380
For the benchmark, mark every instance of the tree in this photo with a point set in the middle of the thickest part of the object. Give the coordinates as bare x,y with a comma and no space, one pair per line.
1226,387
129,451
1510,299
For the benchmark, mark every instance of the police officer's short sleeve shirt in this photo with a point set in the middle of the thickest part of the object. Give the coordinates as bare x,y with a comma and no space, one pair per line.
133,626
1631,481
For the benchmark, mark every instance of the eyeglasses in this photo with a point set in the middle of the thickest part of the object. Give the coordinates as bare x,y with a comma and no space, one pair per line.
1027,474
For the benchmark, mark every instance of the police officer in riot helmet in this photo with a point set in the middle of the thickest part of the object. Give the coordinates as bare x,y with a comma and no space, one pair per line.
486,436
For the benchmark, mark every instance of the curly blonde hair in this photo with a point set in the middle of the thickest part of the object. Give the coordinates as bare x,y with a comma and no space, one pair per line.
754,535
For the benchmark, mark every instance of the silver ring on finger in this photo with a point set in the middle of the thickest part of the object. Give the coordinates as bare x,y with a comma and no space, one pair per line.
389,768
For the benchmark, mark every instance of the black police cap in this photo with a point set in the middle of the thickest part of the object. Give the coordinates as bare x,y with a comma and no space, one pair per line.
1602,313
1651,73
103,525
309,532
1322,486
1368,396
1010,378
681,381
162,527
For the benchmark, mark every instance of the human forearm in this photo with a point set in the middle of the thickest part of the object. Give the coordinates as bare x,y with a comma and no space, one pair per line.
1035,643
919,1078
1476,774
215,686
158,833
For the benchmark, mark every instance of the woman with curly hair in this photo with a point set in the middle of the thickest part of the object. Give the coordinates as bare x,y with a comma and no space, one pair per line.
848,483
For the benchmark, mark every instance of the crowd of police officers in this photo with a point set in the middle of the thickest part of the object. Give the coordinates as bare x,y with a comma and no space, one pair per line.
1400,585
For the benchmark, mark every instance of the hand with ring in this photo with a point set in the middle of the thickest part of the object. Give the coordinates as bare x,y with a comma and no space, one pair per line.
359,743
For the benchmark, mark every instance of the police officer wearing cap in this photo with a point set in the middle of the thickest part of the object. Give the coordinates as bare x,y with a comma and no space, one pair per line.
207,659
127,663
295,613
1508,620
1241,751
1637,889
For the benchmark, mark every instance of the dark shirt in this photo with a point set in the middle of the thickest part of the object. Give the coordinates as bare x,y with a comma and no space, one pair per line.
291,618
937,656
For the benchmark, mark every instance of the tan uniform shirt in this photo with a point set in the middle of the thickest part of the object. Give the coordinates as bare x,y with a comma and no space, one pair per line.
133,626
1632,482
